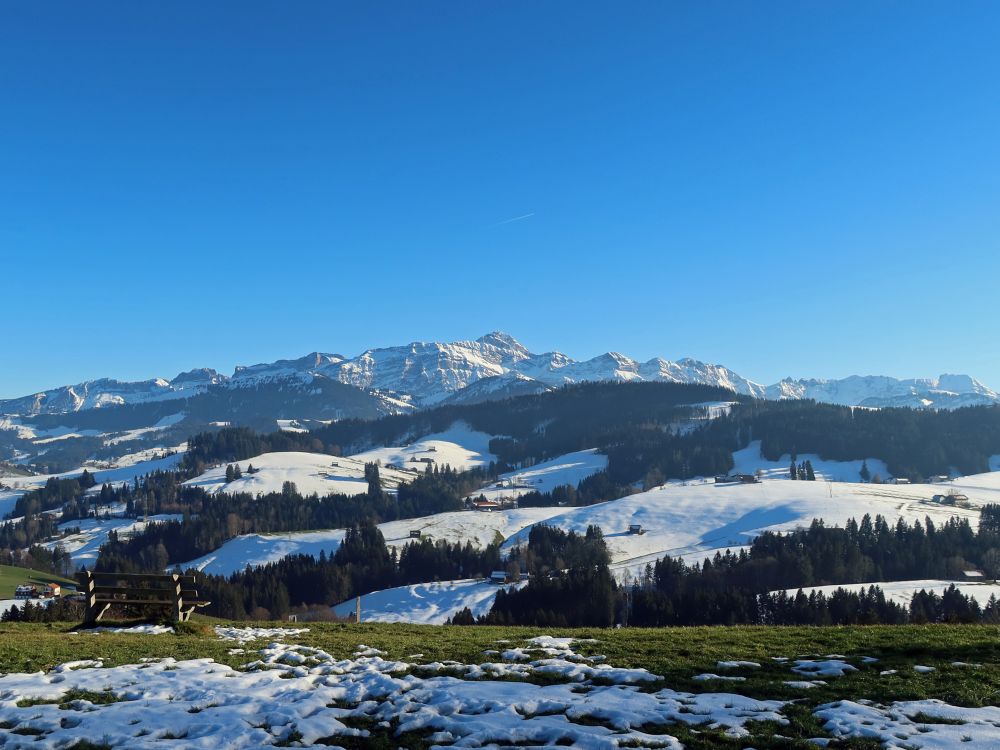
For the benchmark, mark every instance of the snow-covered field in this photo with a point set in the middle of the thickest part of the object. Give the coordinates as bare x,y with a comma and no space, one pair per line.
750,461
85,545
690,520
571,469
696,519
461,526
312,473
426,603
12,487
902,592
459,446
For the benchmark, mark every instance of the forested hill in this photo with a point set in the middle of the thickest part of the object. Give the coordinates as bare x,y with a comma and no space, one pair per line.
646,428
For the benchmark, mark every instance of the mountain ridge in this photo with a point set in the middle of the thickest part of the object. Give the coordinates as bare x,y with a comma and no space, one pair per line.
422,374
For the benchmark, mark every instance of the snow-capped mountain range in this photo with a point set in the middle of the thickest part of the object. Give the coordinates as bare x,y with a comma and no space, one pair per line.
423,374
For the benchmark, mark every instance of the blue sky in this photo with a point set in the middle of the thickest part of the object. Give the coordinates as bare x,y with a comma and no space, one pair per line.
805,189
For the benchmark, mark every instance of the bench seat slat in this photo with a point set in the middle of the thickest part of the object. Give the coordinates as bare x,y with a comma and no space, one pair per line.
101,590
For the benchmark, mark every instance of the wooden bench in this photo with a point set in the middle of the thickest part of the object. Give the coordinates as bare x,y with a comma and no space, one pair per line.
174,592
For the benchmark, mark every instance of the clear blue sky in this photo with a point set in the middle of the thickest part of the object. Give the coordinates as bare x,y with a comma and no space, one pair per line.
807,189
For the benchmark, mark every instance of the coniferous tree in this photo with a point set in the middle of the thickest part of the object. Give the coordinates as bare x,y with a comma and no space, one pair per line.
810,474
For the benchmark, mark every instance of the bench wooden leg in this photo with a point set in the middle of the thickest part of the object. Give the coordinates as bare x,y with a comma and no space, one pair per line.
96,612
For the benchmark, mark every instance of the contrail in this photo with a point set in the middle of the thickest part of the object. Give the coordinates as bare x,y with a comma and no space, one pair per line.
513,219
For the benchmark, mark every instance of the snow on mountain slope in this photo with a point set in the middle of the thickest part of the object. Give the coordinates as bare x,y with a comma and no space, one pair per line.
105,392
902,592
571,469
947,391
498,388
428,373
431,371
312,473
460,526
705,517
750,461
425,603
459,446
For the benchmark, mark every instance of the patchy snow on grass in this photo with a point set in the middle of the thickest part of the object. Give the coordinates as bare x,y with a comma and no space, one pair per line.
298,693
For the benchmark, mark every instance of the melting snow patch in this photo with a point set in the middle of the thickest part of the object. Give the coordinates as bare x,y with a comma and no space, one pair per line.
831,667
736,664
941,726
245,635
710,676
804,684
135,629
923,670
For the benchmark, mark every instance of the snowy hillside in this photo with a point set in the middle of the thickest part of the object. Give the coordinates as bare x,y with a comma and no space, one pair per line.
481,529
85,544
459,446
13,486
311,473
695,520
316,473
570,469
750,461
902,592
425,603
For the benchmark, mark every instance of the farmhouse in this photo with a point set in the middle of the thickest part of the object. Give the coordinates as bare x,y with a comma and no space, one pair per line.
486,505
51,590
26,591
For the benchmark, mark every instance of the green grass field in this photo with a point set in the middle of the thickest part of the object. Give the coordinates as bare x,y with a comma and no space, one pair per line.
676,654
11,577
